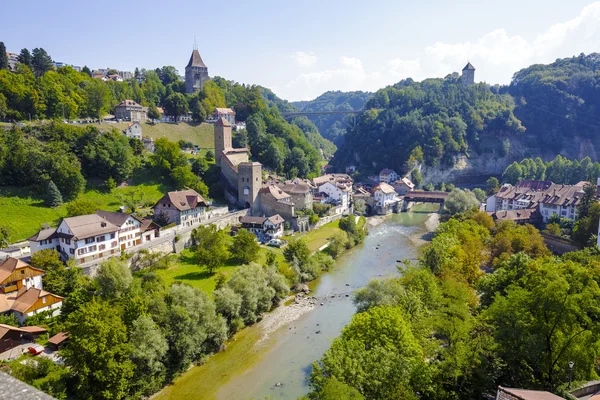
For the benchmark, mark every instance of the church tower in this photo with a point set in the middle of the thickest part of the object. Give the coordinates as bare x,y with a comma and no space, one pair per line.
222,139
468,75
196,73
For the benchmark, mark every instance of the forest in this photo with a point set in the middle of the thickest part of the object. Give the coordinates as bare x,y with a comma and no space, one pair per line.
37,90
543,105
445,329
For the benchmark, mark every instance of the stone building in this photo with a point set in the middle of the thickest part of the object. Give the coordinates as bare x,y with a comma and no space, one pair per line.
129,110
468,75
196,73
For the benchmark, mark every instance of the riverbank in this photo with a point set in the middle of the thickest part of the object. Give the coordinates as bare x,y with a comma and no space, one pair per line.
281,347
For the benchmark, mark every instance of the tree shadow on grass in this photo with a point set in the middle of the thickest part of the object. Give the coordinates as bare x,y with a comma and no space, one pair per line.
188,258
194,276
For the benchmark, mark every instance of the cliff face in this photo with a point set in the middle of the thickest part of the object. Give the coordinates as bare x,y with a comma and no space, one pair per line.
476,168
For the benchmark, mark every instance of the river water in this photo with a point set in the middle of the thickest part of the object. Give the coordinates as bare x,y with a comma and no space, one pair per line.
290,351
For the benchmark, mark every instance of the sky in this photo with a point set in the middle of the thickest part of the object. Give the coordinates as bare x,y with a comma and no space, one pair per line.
304,48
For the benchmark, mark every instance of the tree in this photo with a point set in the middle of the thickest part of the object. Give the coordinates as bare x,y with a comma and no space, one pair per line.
41,62
589,198
200,166
57,278
176,105
211,246
360,206
3,56
210,156
375,354
416,177
167,155
81,206
149,348
338,244
183,177
459,201
114,278
6,232
297,250
98,98
153,112
25,57
479,194
513,173
53,196
245,248
98,354
86,70
492,185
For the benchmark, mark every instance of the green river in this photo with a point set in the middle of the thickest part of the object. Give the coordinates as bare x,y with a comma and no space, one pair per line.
277,367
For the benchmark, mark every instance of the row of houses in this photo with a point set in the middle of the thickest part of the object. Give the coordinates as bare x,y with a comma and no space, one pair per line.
531,201
22,292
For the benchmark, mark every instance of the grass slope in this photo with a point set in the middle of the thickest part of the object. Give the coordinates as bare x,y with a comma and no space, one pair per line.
201,135
24,211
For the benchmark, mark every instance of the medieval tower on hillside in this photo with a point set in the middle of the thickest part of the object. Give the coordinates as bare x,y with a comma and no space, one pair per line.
196,73
468,75
222,139
249,183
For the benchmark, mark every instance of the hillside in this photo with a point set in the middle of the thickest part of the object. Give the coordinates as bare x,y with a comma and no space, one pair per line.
333,127
479,130
201,135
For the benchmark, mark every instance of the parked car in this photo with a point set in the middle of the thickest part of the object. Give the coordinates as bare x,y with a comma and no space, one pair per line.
275,243
36,349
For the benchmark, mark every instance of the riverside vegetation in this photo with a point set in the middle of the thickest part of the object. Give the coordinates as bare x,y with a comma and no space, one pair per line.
129,335
446,330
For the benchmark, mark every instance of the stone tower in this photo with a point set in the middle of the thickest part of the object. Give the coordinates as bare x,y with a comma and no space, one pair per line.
196,73
249,183
222,138
468,75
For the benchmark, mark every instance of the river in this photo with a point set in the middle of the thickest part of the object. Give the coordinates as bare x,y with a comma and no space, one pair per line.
287,356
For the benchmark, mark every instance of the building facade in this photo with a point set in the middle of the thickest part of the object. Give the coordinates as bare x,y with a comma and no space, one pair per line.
388,175
134,130
129,110
196,73
183,207
226,113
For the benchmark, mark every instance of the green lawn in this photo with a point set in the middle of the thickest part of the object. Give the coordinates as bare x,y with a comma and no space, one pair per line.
201,135
24,211
318,237
185,269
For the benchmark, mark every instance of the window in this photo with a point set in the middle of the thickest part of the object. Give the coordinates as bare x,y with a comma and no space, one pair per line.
89,240
22,272
100,239
112,235
72,251
43,300
68,241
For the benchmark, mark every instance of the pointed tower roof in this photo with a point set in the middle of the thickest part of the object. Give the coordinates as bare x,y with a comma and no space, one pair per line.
222,122
196,60
469,66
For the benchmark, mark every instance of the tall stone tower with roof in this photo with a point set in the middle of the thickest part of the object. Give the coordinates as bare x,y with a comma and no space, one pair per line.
468,74
222,139
196,73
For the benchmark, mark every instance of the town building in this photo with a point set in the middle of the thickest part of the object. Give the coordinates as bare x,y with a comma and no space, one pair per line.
385,196
300,193
265,228
125,75
521,216
196,73
114,77
523,394
134,130
84,238
336,193
388,175
130,233
468,75
129,110
403,186
148,144
523,195
21,291
561,200
183,207
226,113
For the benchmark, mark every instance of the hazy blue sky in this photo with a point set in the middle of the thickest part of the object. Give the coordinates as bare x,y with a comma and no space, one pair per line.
303,48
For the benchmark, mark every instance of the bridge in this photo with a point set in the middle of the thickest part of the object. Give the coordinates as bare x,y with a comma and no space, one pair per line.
419,196
317,113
